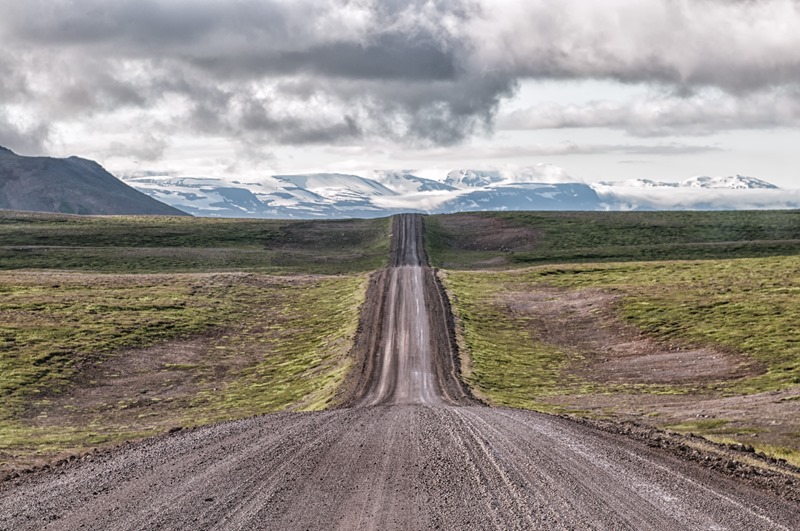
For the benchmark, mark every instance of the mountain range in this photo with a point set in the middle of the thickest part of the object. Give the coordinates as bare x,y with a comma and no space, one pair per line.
736,182
80,186
337,195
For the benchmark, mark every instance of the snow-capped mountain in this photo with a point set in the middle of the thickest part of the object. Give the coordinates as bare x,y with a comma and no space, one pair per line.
404,182
335,185
279,196
472,179
537,174
736,182
203,196
525,196
382,193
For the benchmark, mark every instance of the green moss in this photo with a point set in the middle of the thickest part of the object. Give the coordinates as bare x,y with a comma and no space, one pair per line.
700,426
507,364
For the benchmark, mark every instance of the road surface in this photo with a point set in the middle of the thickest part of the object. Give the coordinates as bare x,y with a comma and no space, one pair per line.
412,451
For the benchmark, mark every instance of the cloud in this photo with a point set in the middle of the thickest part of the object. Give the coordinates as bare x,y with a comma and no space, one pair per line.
418,73
736,46
147,147
673,148
548,150
666,115
23,139
631,198
281,72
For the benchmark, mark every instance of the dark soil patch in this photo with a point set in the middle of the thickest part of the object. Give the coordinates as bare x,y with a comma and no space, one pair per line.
607,350
475,232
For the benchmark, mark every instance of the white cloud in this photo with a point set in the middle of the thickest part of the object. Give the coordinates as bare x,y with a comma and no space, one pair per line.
636,197
504,152
704,113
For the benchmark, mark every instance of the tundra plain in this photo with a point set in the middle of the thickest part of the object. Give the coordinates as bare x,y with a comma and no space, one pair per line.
680,320
412,444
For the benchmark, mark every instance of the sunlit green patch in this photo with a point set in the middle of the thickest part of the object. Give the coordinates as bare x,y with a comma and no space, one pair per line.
745,307
266,344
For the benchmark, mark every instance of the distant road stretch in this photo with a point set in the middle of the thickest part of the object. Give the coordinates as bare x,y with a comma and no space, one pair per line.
412,451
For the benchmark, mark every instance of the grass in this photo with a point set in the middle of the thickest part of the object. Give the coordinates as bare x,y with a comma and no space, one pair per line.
747,306
506,364
790,455
706,426
142,244
728,281
118,327
266,344
50,328
587,237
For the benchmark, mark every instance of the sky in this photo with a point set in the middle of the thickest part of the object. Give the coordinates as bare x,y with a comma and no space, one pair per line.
612,90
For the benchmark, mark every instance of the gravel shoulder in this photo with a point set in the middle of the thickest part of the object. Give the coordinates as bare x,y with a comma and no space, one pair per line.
390,467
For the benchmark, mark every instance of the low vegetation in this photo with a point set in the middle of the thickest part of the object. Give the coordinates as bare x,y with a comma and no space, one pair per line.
115,328
682,320
746,305
148,244
88,359
521,239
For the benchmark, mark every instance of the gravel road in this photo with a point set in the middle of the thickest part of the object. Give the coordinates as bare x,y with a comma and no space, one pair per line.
411,451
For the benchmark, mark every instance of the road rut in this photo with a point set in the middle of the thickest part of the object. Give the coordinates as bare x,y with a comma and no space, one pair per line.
412,450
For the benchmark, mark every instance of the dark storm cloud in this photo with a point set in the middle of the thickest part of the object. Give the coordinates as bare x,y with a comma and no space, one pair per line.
381,68
389,57
24,140
735,46
422,72
289,130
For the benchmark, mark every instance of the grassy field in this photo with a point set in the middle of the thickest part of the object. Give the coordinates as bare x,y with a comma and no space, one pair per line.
746,306
521,239
88,359
706,345
115,328
148,244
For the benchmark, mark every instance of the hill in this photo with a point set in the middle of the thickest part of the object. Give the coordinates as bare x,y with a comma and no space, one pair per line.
71,186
